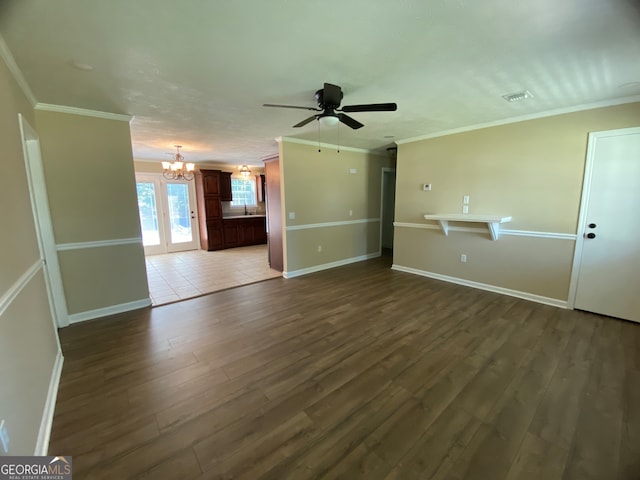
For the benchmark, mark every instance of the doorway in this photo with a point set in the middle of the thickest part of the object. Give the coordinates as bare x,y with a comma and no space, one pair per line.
387,209
607,259
167,211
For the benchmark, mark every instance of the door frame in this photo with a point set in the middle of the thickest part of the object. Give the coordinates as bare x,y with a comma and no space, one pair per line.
43,224
163,220
584,200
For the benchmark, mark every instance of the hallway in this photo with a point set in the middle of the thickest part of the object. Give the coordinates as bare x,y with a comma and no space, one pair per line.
177,276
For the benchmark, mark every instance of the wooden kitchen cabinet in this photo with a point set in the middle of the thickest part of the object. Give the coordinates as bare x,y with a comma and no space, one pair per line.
230,233
225,187
244,231
210,181
259,232
209,209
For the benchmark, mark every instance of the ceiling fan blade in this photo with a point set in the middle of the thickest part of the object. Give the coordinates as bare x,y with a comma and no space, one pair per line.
291,106
371,107
331,95
349,122
305,121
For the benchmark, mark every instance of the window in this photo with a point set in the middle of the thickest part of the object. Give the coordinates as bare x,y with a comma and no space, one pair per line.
243,191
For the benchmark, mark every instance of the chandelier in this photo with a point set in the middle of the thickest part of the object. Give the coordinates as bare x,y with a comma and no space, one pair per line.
245,171
178,170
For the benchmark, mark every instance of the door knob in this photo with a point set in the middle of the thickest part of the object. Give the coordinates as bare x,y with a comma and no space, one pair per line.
592,225
591,235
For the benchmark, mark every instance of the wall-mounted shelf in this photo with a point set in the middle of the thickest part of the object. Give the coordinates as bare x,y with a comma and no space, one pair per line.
493,221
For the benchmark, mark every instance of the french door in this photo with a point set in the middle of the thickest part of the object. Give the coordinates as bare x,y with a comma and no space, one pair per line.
167,214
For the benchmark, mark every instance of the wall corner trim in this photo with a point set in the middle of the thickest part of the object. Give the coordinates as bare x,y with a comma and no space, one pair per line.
98,243
18,76
42,444
485,286
330,145
111,310
47,107
326,266
307,226
15,289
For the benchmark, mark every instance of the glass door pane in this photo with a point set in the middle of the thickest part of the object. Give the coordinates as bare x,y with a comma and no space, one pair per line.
147,207
179,213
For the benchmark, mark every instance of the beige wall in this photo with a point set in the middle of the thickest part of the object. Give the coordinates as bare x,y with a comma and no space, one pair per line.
28,343
103,277
92,195
532,171
90,179
319,189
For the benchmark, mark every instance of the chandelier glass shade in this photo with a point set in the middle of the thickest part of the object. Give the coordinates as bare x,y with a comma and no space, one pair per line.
178,169
244,170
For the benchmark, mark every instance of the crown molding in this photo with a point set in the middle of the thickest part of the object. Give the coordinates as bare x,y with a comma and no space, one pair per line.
328,145
267,158
523,118
47,107
7,56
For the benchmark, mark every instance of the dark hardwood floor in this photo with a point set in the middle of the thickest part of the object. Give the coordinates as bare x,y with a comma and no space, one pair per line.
358,372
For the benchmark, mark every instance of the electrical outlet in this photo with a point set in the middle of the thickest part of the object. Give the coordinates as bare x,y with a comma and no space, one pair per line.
353,171
463,258
426,187
465,209
292,215
4,437
351,213
319,248
465,199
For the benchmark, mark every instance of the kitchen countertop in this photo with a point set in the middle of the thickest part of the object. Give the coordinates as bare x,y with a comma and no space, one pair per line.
244,216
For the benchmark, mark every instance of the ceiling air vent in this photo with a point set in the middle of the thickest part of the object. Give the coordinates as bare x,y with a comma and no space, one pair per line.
516,97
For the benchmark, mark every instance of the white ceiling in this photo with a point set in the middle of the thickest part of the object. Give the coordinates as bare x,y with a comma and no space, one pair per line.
198,72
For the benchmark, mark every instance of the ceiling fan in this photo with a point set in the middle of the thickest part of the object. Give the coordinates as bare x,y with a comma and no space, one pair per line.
329,99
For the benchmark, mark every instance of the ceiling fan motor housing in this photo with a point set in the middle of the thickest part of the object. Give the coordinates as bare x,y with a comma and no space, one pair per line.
330,103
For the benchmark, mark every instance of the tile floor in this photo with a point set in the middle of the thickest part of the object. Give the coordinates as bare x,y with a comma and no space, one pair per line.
178,276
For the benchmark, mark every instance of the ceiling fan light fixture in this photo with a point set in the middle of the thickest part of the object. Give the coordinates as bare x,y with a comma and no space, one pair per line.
328,120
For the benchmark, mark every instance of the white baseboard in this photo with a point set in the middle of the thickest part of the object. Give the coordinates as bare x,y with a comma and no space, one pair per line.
326,266
106,311
484,286
42,445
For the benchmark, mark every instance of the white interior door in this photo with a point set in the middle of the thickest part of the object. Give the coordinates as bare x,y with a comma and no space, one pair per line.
167,214
608,250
